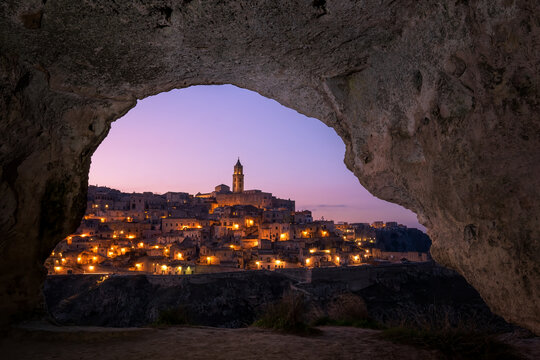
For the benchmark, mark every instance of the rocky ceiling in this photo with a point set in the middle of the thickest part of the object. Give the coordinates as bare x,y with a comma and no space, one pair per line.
437,103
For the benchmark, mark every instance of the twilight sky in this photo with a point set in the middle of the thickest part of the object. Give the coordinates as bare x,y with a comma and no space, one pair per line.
188,140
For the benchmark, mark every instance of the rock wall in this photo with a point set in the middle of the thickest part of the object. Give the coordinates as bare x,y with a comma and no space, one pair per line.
124,301
237,299
436,102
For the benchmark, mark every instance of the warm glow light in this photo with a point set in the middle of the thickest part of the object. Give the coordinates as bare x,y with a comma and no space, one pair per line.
337,258
208,259
102,220
327,251
91,268
156,247
231,246
324,233
307,261
131,237
312,250
94,258
367,251
355,257
138,266
163,267
283,236
63,261
141,244
250,222
123,250
278,262
57,268
199,227
236,226
179,256
258,263
79,259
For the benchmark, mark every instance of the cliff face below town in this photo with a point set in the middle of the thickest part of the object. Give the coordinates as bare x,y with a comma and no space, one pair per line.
391,293
436,102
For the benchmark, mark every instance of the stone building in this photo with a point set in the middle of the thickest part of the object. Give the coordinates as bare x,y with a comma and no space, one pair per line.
239,196
238,178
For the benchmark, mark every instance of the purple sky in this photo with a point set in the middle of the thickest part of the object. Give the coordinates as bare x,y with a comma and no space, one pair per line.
188,140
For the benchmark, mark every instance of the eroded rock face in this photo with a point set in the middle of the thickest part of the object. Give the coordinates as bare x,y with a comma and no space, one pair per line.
437,105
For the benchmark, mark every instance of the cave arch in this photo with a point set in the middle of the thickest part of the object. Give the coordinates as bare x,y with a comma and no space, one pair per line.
425,97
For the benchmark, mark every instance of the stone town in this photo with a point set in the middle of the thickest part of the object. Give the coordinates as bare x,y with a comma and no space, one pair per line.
180,234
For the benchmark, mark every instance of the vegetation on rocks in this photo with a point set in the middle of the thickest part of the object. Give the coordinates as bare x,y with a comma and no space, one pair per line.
287,315
346,310
455,338
173,316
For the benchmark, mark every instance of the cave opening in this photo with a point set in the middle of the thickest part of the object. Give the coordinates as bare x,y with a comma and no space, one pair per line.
436,104
181,144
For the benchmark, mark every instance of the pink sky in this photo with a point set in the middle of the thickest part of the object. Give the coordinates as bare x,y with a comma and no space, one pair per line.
188,140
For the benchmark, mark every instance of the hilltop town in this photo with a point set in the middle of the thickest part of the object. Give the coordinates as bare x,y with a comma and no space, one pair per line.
181,234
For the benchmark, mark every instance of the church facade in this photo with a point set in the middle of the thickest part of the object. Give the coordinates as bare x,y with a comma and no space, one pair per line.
239,196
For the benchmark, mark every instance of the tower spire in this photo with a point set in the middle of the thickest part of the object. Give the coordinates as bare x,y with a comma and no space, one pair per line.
238,177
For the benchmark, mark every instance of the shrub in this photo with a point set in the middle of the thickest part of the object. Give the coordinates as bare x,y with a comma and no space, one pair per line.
286,316
173,316
455,336
348,307
347,310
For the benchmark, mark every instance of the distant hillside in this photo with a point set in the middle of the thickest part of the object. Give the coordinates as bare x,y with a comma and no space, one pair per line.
399,239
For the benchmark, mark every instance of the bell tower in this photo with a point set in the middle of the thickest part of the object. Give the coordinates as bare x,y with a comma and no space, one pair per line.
238,178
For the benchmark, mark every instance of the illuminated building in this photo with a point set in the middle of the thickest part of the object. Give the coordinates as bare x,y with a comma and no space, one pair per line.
238,178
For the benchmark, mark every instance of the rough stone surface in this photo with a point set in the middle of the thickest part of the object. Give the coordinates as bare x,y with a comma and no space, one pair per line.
437,103
393,294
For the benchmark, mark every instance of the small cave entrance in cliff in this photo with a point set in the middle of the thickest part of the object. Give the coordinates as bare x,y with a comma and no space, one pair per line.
161,199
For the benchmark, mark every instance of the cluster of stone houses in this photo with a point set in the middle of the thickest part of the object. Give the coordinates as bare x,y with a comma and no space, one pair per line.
179,233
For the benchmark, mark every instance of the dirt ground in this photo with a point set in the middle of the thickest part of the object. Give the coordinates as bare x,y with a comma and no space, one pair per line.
48,342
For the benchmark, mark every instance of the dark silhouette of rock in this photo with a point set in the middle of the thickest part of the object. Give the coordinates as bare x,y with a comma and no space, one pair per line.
399,239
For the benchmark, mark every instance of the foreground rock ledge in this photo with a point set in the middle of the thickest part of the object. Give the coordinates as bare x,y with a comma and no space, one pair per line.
437,104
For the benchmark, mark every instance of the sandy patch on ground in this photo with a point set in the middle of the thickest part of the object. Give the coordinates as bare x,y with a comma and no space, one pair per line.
200,343
42,341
